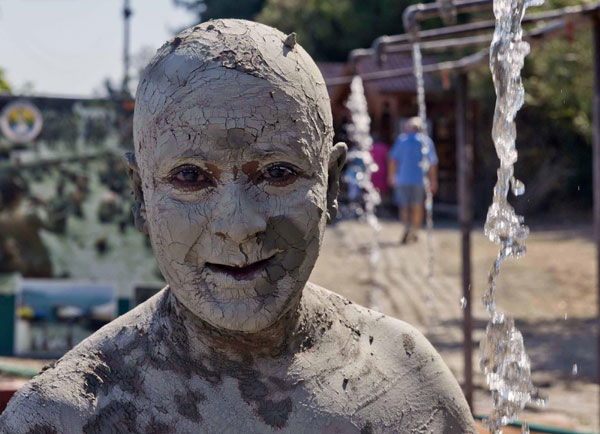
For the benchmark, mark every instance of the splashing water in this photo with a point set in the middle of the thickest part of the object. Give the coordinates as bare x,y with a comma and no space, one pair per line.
361,165
502,352
424,164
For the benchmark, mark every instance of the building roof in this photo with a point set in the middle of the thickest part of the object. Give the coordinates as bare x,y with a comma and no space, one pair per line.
331,70
405,84
396,84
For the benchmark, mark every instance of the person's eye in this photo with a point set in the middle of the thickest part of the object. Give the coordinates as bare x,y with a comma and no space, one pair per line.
190,178
279,174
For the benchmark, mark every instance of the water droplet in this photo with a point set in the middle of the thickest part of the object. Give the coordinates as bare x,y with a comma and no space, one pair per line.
566,316
574,370
463,303
524,429
517,187
579,188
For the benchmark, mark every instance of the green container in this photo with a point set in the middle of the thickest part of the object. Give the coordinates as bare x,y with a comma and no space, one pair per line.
122,306
9,285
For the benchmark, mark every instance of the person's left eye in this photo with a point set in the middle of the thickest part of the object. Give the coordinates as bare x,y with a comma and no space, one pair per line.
279,174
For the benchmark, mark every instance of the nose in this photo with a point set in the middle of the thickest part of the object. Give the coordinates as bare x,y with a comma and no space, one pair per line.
236,216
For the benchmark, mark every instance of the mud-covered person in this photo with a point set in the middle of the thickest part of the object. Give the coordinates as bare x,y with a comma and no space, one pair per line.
236,177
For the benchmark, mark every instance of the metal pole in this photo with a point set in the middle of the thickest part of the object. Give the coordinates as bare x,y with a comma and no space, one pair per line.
467,62
380,44
470,61
126,17
596,166
464,154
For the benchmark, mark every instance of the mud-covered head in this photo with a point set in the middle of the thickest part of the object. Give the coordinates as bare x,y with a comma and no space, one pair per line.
238,172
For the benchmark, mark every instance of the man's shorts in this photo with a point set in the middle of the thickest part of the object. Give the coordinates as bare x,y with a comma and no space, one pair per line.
405,195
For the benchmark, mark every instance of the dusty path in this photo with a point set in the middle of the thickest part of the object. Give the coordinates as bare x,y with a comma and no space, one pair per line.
557,277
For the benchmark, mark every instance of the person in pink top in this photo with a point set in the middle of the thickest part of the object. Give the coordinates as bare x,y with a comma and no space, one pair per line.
379,152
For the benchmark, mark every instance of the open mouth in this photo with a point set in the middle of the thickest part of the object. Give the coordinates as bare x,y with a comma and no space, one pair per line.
246,272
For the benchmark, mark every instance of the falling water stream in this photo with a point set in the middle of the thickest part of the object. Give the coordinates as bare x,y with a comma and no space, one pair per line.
424,164
502,352
359,168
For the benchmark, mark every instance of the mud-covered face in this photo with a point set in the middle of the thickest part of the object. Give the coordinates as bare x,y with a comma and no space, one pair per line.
235,183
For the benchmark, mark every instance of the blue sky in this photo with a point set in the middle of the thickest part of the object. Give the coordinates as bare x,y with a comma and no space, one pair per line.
68,47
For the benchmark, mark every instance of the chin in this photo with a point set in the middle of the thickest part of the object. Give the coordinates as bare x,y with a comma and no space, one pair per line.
237,307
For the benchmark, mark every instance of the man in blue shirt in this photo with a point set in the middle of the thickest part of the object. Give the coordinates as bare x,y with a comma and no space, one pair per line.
406,176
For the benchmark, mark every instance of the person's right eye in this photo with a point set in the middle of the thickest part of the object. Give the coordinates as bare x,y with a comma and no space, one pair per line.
190,178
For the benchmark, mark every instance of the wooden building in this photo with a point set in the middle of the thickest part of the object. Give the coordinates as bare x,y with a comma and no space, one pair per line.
393,100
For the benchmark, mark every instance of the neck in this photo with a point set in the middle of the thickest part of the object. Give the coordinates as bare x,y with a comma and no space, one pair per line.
272,341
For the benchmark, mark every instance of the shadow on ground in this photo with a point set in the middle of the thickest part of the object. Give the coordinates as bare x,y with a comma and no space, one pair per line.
553,346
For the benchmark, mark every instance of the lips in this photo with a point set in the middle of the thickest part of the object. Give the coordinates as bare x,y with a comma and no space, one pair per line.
245,272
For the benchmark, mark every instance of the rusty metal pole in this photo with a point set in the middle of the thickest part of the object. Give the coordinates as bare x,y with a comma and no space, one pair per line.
596,166
464,155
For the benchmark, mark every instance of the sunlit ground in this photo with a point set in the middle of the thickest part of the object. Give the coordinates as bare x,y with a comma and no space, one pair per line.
554,281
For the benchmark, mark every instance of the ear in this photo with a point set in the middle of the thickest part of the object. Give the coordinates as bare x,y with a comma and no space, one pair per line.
337,158
139,208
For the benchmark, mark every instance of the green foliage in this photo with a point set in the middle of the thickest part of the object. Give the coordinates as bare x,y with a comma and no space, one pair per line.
559,81
4,86
554,127
211,9
329,29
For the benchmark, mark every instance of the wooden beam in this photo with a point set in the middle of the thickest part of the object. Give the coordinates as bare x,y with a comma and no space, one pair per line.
444,44
381,44
596,167
464,175
464,64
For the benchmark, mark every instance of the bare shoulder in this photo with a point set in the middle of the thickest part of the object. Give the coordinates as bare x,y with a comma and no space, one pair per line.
63,398
397,380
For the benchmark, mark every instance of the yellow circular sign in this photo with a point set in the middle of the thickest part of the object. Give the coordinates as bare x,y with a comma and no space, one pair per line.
21,121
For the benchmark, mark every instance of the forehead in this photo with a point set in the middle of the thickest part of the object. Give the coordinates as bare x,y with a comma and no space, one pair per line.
221,112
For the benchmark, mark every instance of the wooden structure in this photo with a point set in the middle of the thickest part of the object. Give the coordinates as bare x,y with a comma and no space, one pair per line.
393,100
466,35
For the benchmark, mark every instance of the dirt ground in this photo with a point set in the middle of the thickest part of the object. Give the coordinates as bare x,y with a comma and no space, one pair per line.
551,293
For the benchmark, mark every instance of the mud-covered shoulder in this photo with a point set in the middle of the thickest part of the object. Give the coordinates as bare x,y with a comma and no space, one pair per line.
41,410
63,397
430,396
413,389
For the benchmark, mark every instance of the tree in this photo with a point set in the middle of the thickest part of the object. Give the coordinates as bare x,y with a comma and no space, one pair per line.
554,127
329,29
211,9
4,86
